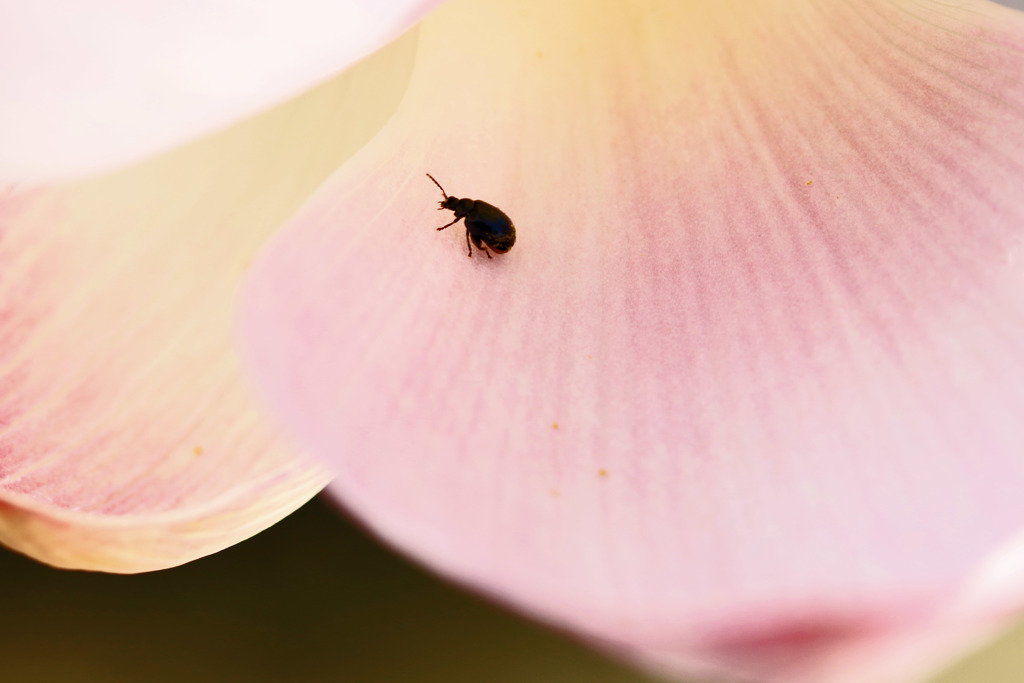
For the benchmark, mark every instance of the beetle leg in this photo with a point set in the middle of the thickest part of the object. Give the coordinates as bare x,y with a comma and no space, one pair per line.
479,244
452,223
477,241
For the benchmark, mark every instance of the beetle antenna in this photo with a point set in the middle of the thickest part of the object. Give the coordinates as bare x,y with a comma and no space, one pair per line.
438,186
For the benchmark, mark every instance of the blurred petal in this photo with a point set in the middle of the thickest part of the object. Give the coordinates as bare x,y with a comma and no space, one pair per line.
88,85
128,437
833,656
754,367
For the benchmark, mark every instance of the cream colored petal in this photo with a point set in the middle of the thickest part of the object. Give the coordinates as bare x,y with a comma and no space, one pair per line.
129,439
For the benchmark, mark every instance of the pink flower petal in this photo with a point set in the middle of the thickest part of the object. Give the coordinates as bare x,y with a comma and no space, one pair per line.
833,655
754,364
89,85
129,439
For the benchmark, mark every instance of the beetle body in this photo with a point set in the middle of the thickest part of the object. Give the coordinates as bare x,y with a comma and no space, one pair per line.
486,224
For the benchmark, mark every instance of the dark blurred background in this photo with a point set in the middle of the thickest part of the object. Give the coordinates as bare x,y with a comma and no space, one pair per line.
312,599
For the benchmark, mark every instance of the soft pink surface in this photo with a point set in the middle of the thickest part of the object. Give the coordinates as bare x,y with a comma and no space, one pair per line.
752,372
88,85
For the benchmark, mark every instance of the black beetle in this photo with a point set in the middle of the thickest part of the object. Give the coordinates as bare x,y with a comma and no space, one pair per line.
485,224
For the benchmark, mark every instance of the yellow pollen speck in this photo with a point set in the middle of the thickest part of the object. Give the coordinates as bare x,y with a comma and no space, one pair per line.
809,182
554,425
589,356
602,472
198,450
540,54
